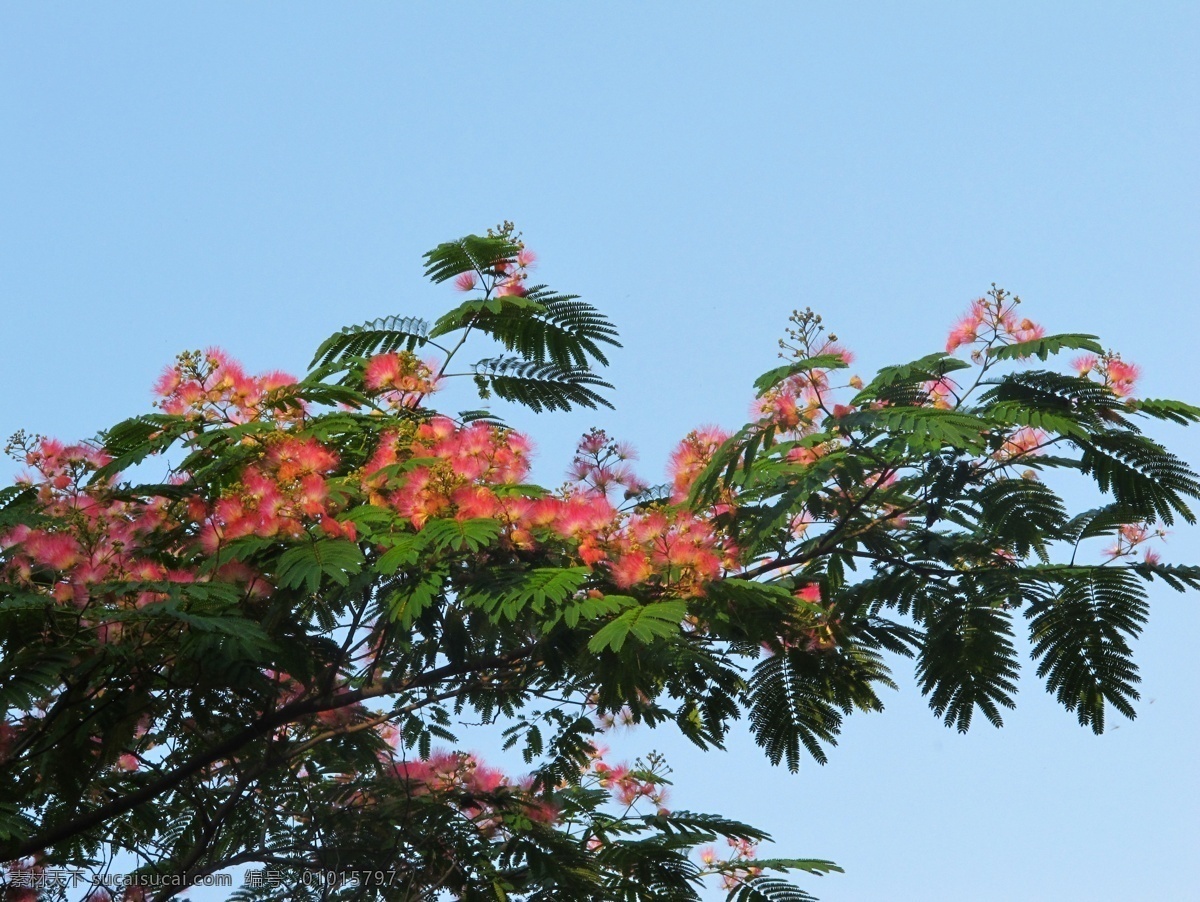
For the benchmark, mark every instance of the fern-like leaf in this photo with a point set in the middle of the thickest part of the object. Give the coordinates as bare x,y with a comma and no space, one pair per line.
379,336
474,253
552,328
1045,346
768,889
929,368
1141,474
968,661
539,386
1081,637
788,711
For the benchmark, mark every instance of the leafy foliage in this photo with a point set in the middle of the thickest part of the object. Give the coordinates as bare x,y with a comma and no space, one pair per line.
388,333
266,656
539,386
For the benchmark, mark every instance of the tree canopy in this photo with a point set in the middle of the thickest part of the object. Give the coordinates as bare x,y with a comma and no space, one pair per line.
245,629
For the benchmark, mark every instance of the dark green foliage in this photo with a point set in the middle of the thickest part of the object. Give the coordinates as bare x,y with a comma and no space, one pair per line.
772,378
798,698
967,660
552,328
1021,514
379,336
1042,348
643,623
916,521
1140,473
769,889
470,254
892,378
1081,636
538,386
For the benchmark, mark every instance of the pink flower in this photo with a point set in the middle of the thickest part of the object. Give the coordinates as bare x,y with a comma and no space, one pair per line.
810,593
631,569
964,332
465,281
513,286
691,456
941,391
1121,377
1025,440
56,550
1027,330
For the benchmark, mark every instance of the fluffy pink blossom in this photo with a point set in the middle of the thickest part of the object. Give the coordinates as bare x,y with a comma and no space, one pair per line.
1122,376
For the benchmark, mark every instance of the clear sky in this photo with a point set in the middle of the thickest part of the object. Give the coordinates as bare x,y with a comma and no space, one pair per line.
255,176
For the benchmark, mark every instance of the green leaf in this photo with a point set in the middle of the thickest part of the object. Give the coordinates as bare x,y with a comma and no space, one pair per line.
768,889
1179,577
1015,413
132,441
480,311
551,328
788,709
457,535
1140,473
406,603
13,824
921,429
1044,347
644,623
1081,635
968,660
771,378
1022,513
404,552
305,565
31,674
540,386
536,590
379,336
300,394
474,253
927,369
1175,411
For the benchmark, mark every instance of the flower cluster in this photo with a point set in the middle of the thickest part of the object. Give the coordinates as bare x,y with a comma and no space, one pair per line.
1023,442
691,456
1111,371
439,468
798,403
479,791
505,277
400,379
212,387
736,867
1134,536
280,495
629,785
942,393
90,537
601,465
992,320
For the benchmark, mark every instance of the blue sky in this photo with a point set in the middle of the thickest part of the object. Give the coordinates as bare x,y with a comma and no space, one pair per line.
257,176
